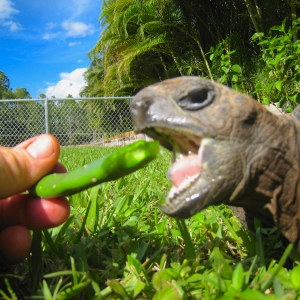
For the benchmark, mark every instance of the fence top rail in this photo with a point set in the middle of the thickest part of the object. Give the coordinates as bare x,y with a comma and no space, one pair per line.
63,99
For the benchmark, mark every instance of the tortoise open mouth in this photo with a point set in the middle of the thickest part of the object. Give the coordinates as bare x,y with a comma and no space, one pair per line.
185,171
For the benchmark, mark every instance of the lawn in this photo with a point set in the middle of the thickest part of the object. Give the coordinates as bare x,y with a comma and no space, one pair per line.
118,245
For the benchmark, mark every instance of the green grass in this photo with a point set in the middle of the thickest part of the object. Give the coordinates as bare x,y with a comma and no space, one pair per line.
118,245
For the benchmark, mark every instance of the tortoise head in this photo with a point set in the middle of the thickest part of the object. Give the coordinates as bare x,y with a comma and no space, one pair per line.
227,148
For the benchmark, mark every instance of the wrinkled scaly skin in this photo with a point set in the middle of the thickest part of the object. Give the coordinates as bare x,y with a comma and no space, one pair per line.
250,156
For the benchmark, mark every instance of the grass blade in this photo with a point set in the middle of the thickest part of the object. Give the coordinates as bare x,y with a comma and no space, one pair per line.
36,260
265,285
189,245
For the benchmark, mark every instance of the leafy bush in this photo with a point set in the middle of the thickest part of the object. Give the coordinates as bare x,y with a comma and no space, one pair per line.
278,74
222,67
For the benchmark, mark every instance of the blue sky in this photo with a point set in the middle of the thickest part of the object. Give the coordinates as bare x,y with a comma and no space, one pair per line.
44,43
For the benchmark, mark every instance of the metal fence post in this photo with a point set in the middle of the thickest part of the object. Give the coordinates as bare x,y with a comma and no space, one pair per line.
46,115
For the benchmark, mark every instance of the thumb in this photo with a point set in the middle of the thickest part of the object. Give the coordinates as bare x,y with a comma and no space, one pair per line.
22,166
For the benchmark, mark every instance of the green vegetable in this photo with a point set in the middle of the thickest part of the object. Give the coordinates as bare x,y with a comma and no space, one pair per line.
107,168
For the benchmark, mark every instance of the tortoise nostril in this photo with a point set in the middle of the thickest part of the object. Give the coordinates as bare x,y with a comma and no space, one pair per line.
197,99
139,105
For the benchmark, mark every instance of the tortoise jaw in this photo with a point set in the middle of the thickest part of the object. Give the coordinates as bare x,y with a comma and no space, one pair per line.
175,141
192,192
184,172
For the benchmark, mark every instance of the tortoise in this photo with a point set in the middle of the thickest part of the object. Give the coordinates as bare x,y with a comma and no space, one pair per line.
227,148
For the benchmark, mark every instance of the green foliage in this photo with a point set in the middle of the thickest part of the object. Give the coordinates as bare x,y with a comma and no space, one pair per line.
4,84
143,42
93,77
279,69
222,67
42,96
7,93
21,93
147,41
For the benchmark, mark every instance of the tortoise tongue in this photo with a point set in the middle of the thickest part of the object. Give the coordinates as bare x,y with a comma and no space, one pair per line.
185,170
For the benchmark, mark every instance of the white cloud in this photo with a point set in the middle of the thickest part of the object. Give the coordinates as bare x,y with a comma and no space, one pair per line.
71,44
70,83
6,14
70,29
51,25
6,9
79,60
79,6
13,26
49,36
75,29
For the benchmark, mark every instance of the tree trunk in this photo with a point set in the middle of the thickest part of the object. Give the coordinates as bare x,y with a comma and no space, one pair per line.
255,17
176,63
164,65
205,60
294,17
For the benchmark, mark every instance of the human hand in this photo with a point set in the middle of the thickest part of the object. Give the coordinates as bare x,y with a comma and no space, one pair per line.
20,168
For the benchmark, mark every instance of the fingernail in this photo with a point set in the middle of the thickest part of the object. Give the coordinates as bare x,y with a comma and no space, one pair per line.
41,148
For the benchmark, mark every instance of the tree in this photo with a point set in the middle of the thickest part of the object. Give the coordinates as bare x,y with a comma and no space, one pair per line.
8,93
21,93
17,93
4,84
42,96
145,41
93,77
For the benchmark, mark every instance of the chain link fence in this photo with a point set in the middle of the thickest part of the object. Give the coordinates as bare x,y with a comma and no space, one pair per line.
100,121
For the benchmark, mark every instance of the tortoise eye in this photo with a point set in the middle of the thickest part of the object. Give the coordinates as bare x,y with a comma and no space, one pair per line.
197,99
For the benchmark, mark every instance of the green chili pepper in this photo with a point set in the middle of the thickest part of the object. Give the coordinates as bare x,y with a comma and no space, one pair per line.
107,168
